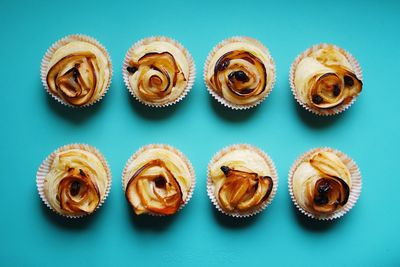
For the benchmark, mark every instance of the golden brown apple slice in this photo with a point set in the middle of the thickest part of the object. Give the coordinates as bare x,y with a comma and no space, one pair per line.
77,193
243,190
159,193
329,193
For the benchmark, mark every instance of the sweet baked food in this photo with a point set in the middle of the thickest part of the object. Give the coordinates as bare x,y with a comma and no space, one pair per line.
324,183
158,71
74,180
239,72
326,79
77,70
158,180
242,180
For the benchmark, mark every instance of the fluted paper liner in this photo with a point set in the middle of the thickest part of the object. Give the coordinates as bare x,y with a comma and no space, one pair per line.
260,207
192,70
355,190
221,99
318,111
53,48
126,179
45,167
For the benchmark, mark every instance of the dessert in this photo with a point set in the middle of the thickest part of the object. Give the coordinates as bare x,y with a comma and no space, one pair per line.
326,79
158,180
77,70
322,182
242,180
74,180
158,71
239,72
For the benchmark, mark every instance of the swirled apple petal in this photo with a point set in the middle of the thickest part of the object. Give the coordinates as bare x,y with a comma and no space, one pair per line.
157,75
243,190
77,193
158,192
239,76
75,78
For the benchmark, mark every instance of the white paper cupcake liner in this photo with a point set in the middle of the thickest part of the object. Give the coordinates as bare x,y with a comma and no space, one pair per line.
126,179
222,100
45,167
53,48
317,111
355,190
259,208
192,70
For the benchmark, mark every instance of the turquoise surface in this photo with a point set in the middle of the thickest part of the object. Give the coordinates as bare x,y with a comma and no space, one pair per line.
33,125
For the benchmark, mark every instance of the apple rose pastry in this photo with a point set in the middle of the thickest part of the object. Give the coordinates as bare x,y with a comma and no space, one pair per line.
158,180
241,180
77,70
326,79
158,71
239,72
77,180
322,183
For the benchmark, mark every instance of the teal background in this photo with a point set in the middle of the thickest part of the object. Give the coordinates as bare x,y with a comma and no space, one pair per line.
33,125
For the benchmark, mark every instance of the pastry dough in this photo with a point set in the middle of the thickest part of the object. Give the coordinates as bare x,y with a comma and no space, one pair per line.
321,183
241,180
158,71
325,79
240,71
78,72
76,183
158,180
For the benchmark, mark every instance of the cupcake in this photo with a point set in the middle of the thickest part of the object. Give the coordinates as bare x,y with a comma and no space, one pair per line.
242,180
325,79
76,70
74,180
324,183
158,180
239,72
158,71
